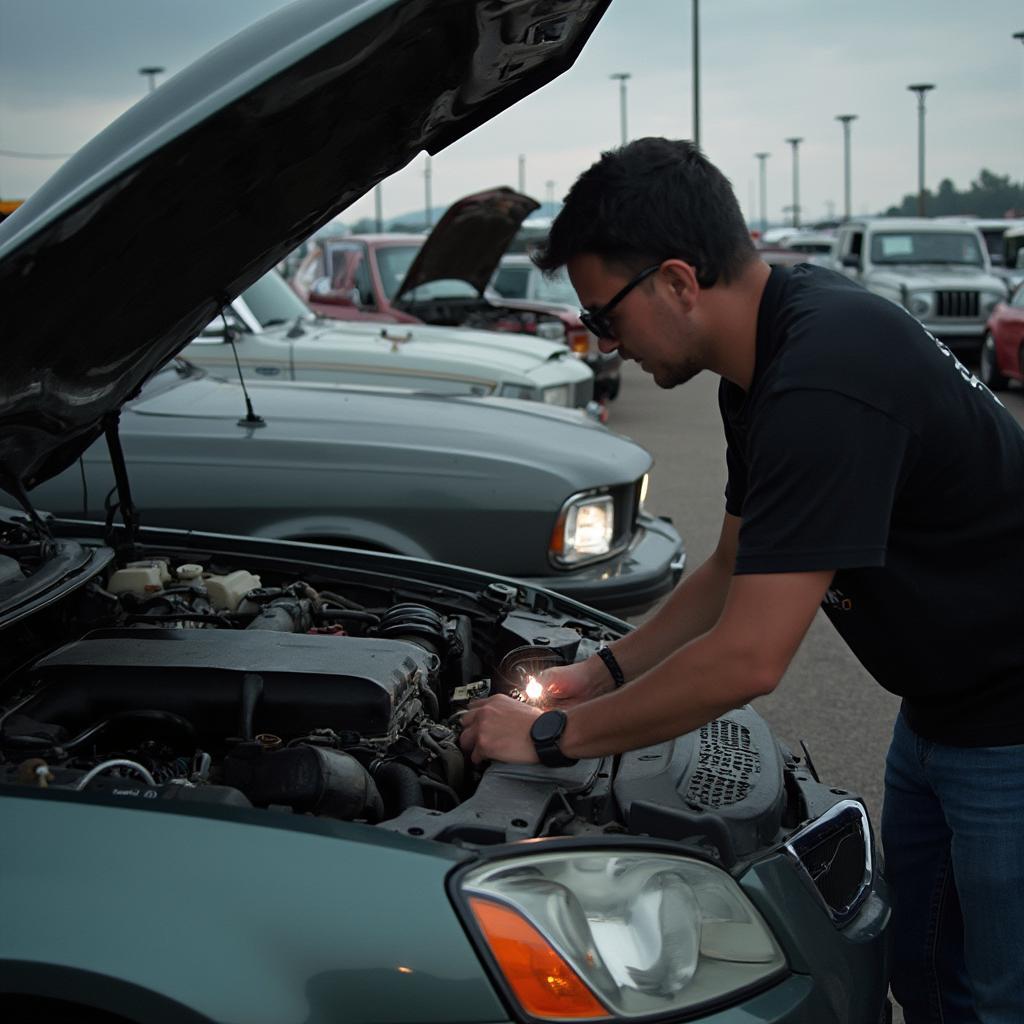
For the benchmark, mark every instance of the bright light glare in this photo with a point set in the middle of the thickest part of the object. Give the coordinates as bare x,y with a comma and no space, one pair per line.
592,528
644,487
533,689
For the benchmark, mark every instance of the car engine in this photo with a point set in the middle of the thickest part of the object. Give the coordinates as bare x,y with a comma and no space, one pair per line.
209,684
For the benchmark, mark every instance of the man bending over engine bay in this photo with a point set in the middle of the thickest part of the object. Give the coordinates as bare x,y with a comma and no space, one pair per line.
870,474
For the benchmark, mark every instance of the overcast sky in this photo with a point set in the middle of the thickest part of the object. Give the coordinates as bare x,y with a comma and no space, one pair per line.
769,70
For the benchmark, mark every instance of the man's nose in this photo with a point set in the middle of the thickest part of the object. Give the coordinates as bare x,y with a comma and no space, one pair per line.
607,345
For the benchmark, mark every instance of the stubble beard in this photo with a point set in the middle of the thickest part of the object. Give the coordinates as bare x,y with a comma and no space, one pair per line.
674,376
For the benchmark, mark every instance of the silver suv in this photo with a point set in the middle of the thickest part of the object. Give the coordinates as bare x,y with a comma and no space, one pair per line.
938,270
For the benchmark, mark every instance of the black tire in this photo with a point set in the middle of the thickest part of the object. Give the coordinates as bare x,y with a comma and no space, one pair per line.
988,368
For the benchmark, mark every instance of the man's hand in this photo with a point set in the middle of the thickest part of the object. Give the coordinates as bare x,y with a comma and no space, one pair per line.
498,729
567,685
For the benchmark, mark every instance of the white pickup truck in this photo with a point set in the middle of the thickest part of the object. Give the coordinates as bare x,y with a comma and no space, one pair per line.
938,270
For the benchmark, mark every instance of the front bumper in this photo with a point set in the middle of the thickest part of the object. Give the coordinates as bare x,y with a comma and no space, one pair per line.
633,580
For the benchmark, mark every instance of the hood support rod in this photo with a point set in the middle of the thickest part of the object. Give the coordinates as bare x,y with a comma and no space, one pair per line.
129,514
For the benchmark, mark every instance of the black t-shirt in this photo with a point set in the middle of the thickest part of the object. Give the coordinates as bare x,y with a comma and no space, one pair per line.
864,446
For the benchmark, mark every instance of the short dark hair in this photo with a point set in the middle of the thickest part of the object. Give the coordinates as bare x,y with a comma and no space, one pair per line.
653,199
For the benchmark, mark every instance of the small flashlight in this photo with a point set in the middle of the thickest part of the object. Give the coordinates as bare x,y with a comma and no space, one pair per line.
534,690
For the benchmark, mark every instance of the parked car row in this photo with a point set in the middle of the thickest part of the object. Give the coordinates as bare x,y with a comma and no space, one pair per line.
269,333
230,776
450,277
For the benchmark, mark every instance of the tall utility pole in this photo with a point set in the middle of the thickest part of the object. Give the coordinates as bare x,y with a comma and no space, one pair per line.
427,173
920,89
151,73
550,188
761,158
846,119
696,73
623,77
378,207
795,143
522,173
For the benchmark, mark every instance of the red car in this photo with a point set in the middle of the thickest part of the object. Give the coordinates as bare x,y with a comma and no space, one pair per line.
1002,351
440,278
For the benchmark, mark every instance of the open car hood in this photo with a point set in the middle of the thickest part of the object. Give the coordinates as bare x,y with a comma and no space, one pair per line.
200,188
469,240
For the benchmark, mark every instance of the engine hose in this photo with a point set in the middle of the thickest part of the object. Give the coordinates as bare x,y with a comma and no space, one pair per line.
439,787
347,615
399,785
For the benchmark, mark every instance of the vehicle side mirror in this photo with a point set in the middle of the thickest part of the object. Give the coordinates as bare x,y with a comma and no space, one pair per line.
323,292
851,260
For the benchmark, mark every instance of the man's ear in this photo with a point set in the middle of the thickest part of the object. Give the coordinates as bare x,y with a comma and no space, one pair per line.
681,279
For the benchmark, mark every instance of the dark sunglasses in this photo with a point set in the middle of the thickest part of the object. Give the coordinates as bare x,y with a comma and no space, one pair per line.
596,321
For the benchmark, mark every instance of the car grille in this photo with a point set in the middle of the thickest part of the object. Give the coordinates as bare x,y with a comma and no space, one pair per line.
957,304
727,762
834,854
583,392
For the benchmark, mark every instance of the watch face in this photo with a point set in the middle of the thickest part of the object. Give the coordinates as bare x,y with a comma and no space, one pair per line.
548,726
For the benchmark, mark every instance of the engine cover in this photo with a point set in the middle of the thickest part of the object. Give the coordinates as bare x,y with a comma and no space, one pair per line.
344,683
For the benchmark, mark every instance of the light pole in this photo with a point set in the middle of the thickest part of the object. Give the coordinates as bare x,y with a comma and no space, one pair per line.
761,158
696,73
550,188
920,89
378,207
426,192
846,119
151,73
522,173
795,143
623,77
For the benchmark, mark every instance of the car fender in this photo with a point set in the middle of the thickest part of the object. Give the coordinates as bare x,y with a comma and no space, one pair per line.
343,531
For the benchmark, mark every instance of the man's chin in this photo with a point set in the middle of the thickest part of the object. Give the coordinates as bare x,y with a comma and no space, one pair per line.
672,377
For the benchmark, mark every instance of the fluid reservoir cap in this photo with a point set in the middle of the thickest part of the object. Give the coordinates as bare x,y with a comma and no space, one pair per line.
189,571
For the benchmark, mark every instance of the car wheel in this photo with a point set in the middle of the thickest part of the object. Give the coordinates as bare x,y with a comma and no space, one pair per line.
988,368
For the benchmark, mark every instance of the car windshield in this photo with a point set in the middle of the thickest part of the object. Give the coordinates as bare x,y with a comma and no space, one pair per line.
393,263
273,302
926,247
513,282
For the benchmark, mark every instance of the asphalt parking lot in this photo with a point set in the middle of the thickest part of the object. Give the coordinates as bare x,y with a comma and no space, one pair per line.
826,698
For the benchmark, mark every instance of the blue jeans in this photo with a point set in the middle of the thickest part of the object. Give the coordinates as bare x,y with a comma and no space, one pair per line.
953,834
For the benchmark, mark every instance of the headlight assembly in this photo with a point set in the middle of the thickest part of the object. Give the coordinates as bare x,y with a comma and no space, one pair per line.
920,303
519,391
556,396
989,301
584,529
596,935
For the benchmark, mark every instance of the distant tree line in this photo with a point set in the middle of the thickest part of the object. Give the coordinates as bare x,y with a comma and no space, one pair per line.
991,195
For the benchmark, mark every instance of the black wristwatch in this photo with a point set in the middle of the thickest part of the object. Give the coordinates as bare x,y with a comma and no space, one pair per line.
545,732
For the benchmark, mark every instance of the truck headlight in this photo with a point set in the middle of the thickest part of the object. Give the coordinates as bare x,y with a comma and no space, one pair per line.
584,529
552,330
989,301
920,303
519,391
556,396
601,934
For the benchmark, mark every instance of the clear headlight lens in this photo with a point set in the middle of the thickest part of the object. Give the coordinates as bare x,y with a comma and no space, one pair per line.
989,301
591,935
518,391
584,529
552,330
557,395
920,304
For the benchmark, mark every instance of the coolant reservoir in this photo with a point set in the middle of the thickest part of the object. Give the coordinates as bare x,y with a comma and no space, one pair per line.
189,571
140,578
226,592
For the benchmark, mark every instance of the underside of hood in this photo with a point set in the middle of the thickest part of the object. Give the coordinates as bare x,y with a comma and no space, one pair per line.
469,240
200,188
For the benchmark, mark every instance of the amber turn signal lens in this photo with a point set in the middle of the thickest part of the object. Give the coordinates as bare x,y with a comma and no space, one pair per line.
542,982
